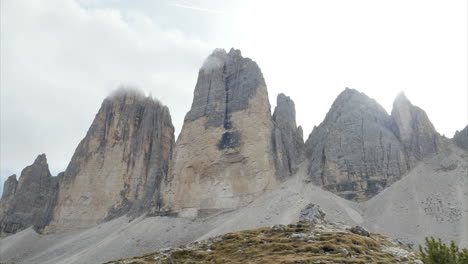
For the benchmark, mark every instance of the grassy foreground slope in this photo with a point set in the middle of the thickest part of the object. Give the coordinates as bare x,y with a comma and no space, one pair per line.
295,243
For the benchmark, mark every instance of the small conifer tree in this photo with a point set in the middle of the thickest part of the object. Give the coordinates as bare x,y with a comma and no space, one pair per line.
437,252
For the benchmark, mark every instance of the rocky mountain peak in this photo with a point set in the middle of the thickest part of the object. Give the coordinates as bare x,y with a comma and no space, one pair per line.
285,110
414,129
118,167
29,201
41,160
9,187
223,155
226,82
354,152
288,142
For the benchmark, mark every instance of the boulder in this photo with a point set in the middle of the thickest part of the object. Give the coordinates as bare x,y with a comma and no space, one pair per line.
359,230
312,213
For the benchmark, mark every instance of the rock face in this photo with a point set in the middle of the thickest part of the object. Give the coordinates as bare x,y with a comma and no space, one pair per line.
312,213
354,151
9,188
29,201
288,142
414,130
118,167
461,138
223,155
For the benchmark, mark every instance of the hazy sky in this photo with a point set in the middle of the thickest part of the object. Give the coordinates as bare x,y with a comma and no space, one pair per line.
60,58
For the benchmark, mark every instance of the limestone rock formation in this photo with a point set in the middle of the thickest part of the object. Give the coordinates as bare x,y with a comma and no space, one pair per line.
9,188
354,151
288,141
461,138
414,130
29,201
118,167
223,155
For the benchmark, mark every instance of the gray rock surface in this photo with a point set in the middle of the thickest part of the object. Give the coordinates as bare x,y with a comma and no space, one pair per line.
359,230
312,213
225,84
118,167
288,141
30,201
9,188
414,130
461,138
223,156
354,151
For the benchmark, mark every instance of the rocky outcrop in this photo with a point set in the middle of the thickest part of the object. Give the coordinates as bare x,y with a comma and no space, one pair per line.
354,151
414,130
9,188
461,138
312,213
288,141
223,155
29,201
118,167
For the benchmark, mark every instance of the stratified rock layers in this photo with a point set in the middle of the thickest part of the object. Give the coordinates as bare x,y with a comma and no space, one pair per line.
29,201
223,155
354,152
118,167
288,141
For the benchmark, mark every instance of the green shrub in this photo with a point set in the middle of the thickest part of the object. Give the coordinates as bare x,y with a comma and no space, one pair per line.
437,252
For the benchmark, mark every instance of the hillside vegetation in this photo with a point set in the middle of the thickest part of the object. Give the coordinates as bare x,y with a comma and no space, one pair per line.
295,243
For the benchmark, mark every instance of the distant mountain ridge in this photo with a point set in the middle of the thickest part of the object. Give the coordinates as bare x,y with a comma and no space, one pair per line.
233,152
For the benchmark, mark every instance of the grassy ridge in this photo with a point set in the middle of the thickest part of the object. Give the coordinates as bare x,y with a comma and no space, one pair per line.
295,243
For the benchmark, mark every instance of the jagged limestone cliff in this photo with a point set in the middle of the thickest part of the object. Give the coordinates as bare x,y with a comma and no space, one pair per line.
118,167
29,201
223,155
288,141
353,152
358,150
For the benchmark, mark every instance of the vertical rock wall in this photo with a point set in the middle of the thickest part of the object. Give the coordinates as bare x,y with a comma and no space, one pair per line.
288,141
223,155
118,167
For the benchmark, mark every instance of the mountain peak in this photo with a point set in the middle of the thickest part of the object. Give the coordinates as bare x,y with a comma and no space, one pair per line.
230,124
122,159
401,96
41,159
28,201
355,131
414,129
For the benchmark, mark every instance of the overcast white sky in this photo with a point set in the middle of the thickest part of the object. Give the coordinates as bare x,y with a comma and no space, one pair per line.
60,58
